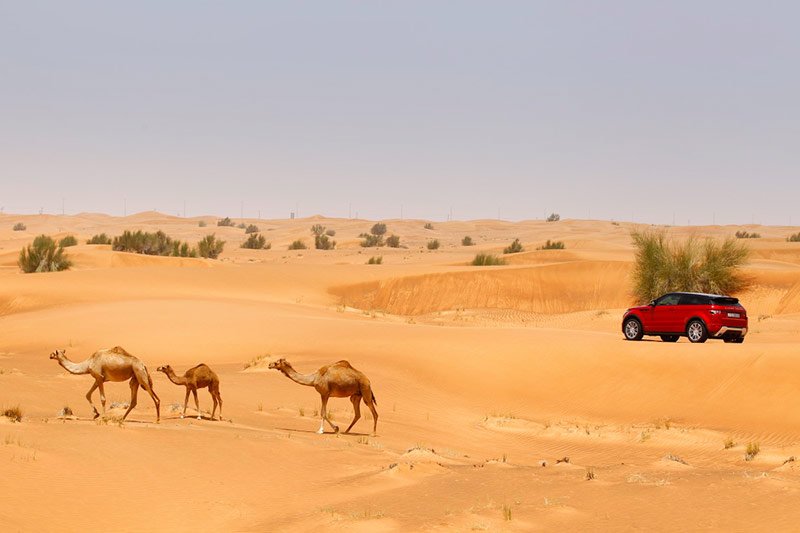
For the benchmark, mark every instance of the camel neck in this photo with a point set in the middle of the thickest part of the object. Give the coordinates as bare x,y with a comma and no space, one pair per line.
74,368
177,380
302,379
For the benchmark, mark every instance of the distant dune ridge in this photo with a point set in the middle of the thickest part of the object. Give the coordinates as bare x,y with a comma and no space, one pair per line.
484,374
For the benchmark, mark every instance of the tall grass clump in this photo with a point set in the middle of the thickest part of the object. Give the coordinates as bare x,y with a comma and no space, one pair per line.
514,248
554,217
298,245
19,226
43,255
67,241
794,238
13,413
747,235
210,247
552,245
101,238
256,241
694,265
375,260
467,241
393,241
252,228
488,260
752,450
434,244
225,222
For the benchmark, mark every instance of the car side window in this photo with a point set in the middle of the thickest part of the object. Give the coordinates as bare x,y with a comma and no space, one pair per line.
693,299
669,299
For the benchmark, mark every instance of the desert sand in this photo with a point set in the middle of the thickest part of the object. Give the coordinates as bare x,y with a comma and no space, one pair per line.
481,374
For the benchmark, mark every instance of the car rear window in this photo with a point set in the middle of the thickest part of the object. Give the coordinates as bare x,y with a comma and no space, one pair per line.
725,300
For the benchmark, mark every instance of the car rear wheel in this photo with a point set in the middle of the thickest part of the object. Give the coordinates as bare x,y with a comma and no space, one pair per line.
670,338
633,330
696,331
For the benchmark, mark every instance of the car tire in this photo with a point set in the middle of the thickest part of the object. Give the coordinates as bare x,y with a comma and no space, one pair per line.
632,329
670,338
696,331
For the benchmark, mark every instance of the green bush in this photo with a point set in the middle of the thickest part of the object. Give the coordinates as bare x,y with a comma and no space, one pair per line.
393,241
554,217
378,229
67,241
371,240
19,226
694,265
428,225
433,245
514,248
323,242
102,238
140,242
225,222
256,241
252,228
467,241
747,235
202,224
317,229
488,260
210,247
182,249
552,245
794,238
298,245
43,256
375,260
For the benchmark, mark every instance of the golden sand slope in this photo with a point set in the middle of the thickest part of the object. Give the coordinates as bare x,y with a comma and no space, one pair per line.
481,374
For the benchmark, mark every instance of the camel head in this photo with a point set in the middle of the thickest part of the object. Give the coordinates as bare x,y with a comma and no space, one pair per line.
58,354
281,364
165,369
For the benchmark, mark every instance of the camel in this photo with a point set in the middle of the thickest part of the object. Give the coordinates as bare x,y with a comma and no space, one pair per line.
338,380
114,364
198,377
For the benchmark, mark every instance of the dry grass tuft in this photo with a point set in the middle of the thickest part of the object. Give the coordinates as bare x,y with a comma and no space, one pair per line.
13,413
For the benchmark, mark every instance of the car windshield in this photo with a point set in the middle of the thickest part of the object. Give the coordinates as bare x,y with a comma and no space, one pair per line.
668,299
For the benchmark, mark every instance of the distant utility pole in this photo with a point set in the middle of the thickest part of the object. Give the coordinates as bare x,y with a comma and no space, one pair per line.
259,214
401,211
124,207
62,205
350,210
241,210
184,209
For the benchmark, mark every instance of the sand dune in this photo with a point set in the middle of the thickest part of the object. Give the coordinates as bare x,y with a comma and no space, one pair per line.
481,375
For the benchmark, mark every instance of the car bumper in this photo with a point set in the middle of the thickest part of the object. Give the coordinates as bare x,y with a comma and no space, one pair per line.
731,331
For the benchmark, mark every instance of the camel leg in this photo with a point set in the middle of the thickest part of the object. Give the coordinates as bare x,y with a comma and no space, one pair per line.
371,404
324,413
134,395
356,399
144,380
219,399
185,402
214,399
196,403
89,397
102,396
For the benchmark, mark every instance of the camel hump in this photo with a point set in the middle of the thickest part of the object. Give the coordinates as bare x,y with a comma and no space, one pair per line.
120,350
343,363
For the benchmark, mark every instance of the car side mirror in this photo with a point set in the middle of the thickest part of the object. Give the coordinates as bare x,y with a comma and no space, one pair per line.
652,303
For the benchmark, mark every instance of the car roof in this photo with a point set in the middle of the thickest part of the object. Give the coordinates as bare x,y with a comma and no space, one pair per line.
702,294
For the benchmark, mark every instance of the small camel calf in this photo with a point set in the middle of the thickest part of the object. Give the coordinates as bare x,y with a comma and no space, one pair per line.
198,377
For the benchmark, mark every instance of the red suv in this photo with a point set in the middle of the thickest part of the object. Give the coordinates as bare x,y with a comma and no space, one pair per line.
693,315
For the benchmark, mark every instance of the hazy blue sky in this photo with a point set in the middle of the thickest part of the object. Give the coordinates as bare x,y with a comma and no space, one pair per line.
620,109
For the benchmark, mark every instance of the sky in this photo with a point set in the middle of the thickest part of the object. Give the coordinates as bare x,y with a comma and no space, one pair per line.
656,112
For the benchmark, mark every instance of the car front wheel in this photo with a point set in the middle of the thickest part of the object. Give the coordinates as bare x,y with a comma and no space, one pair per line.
696,331
633,330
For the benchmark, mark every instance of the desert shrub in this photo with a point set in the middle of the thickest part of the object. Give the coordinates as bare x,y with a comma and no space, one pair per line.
101,238
695,265
371,240
752,450
210,247
513,248
19,226
552,245
747,235
488,260
255,241
794,238
554,217
323,242
67,241
467,241
393,241
13,413
140,242
43,256
225,222
434,244
378,229
330,232
317,229
375,260
252,228
202,224
241,225
182,249
428,225
298,245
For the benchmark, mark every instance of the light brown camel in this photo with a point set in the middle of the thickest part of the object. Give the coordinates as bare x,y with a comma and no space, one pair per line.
338,380
198,377
113,364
